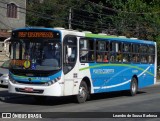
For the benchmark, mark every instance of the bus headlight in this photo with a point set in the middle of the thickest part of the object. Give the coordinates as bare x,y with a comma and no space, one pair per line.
52,82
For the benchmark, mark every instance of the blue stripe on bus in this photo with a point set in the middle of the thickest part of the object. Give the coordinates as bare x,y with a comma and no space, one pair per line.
36,79
115,78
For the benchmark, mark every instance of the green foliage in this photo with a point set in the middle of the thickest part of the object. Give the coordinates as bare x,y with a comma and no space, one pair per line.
50,13
137,18
131,18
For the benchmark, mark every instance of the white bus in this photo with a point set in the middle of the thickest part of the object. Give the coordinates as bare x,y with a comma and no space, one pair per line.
61,62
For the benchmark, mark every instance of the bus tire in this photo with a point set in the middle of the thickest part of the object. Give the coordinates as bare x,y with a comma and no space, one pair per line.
133,87
83,93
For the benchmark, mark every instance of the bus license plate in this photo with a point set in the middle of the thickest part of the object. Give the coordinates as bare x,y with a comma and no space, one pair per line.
27,89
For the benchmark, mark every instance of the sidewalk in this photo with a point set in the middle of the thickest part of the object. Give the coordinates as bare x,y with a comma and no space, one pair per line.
158,82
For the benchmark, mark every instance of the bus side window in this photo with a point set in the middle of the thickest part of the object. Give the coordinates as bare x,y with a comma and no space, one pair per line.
83,55
151,55
119,56
86,50
127,52
102,48
99,58
144,53
105,57
112,58
118,48
135,53
135,58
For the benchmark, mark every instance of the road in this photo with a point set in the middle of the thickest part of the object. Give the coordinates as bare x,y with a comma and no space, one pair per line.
147,100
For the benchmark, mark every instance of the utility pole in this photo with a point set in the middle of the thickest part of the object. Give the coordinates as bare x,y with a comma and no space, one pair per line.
70,18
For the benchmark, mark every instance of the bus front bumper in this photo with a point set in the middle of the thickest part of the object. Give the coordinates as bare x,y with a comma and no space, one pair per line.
52,90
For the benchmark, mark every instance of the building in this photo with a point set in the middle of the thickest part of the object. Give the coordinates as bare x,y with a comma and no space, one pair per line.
12,15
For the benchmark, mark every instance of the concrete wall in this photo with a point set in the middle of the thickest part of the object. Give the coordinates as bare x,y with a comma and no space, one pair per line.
11,23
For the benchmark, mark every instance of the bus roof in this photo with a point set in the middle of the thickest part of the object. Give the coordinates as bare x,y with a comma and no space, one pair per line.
99,36
91,35
118,38
32,28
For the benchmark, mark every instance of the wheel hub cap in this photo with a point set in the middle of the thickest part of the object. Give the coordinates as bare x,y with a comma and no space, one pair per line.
81,92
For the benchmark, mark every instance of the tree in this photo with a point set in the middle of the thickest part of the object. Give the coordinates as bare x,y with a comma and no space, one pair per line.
50,13
131,18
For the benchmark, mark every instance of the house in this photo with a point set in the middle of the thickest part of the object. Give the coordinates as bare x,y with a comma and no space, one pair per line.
12,15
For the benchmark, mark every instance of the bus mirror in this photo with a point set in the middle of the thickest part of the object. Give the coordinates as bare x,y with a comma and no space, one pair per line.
69,50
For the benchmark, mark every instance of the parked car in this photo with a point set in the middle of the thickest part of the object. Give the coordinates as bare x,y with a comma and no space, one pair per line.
4,73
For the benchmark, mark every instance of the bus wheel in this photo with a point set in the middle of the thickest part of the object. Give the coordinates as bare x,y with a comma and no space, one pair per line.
133,87
82,93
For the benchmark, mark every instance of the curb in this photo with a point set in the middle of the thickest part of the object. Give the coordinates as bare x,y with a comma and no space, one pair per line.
157,83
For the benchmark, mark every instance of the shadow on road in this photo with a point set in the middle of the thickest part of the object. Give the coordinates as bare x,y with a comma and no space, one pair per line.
4,86
52,101
113,95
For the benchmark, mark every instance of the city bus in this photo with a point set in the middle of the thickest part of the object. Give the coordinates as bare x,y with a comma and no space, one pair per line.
61,62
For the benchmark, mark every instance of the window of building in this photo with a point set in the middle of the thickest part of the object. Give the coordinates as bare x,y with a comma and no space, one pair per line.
11,10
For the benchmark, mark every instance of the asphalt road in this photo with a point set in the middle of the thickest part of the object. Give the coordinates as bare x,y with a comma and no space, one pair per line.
147,100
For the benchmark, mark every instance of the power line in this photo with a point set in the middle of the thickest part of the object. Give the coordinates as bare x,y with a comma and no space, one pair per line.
86,17
91,12
33,12
51,18
92,18
46,16
92,23
119,11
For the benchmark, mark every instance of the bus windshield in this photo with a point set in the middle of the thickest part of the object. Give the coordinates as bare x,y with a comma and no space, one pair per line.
36,54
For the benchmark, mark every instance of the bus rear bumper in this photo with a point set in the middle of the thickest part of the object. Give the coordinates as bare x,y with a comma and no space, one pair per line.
52,90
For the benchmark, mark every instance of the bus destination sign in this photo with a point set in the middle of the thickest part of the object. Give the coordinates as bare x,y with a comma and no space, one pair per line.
35,34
